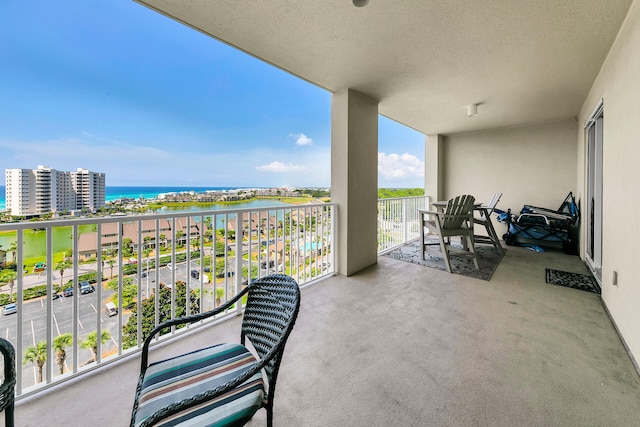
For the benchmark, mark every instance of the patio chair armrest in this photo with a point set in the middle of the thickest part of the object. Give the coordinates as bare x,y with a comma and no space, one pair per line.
426,211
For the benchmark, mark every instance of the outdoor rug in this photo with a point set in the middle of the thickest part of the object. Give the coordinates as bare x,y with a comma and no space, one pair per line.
584,282
488,259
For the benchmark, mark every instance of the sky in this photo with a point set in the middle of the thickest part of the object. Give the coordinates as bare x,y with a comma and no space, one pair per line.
114,87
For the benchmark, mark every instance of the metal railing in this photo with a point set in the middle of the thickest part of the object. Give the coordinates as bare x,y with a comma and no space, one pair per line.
398,221
151,268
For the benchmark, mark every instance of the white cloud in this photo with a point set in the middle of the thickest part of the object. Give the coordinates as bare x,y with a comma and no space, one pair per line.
128,164
280,167
301,139
399,166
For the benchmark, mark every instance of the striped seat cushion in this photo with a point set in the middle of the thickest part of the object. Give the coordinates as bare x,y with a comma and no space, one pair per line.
181,377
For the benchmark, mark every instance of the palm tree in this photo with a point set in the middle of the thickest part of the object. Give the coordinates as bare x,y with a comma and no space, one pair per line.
179,235
8,276
36,354
61,267
91,342
13,248
111,263
146,252
59,344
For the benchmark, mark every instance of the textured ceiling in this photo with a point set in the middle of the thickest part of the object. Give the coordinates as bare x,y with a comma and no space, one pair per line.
424,61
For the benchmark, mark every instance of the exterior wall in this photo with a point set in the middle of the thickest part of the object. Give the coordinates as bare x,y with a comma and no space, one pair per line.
432,166
354,179
20,191
534,165
618,85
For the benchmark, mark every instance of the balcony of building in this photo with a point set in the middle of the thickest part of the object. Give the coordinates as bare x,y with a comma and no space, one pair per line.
401,344
510,97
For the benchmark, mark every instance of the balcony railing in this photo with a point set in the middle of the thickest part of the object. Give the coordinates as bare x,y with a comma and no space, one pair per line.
150,268
398,221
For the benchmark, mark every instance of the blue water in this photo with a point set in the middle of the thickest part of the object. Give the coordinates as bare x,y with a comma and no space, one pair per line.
117,192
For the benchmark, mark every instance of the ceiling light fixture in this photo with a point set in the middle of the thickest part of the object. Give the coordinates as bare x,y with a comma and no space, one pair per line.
472,110
360,3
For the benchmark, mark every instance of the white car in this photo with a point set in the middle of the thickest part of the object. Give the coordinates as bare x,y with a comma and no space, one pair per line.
10,309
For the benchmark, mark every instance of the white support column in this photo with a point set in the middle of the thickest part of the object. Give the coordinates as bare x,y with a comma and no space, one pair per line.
433,153
354,179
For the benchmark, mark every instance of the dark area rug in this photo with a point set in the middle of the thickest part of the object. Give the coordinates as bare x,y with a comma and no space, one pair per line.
583,282
488,259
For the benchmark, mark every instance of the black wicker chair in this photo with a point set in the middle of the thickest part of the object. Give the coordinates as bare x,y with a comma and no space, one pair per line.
7,389
222,385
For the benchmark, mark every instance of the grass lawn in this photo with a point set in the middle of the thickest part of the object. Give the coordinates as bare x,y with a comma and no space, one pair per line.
35,243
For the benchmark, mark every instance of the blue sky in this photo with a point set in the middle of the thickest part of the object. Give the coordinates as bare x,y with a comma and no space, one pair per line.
114,87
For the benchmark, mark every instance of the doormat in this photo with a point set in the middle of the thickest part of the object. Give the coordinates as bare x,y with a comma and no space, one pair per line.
488,260
583,282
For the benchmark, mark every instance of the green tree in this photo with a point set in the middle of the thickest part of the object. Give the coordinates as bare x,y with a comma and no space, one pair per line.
219,296
127,247
145,253
61,267
129,291
8,276
130,330
36,354
60,343
220,248
91,342
111,263
13,248
179,235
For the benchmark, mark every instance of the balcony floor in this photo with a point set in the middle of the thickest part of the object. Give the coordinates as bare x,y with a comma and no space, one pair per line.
401,344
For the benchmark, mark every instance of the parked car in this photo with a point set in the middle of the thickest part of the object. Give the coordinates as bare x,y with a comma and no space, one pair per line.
111,309
68,292
86,288
263,265
170,266
56,295
195,274
10,309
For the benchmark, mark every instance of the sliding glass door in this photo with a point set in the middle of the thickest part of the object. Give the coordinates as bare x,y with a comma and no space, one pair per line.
594,132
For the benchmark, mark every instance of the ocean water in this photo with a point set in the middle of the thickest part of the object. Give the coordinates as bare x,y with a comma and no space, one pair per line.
118,192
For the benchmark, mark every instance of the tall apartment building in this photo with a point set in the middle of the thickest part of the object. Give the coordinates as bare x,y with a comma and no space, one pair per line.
31,192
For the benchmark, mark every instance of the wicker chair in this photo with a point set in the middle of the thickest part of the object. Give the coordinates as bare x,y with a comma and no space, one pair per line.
7,389
222,385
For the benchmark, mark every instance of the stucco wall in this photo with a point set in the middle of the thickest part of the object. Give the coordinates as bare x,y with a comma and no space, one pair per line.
354,179
533,165
618,84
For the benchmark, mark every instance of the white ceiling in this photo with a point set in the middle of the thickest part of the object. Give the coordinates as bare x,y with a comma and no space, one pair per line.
424,61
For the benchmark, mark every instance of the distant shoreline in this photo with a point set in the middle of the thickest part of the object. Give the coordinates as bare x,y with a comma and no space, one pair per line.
115,192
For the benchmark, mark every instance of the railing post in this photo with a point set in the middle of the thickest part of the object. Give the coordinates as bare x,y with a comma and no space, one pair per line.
238,275
405,218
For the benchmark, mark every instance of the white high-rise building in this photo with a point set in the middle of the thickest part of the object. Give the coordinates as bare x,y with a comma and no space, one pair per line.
44,190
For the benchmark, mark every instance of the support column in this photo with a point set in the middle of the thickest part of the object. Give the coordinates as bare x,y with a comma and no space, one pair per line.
433,159
354,179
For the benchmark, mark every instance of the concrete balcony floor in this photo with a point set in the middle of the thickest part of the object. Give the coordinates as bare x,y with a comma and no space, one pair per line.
405,345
